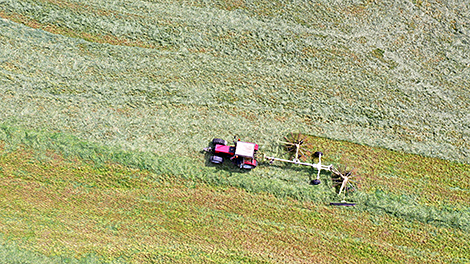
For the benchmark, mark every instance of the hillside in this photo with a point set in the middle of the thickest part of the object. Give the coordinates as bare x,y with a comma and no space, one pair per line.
145,85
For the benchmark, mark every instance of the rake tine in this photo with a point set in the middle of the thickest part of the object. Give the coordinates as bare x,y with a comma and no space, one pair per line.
344,170
350,174
289,143
352,186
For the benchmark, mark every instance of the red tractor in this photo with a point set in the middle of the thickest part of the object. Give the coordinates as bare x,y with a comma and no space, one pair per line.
242,153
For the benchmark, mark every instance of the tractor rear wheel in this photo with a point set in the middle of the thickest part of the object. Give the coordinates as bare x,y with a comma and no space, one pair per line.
216,159
219,141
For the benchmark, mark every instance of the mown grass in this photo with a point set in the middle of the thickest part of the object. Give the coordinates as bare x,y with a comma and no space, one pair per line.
155,81
258,69
180,210
76,208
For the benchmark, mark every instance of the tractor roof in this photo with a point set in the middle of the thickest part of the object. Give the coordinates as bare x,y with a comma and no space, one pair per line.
245,149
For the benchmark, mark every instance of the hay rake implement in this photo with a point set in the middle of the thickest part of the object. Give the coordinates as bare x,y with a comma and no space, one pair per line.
341,178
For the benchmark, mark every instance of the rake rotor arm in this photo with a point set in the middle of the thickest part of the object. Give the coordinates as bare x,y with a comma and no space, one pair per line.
345,181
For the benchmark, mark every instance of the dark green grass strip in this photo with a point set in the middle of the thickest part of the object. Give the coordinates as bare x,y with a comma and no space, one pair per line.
402,205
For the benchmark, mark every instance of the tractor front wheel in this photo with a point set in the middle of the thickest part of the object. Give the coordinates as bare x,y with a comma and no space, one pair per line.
219,141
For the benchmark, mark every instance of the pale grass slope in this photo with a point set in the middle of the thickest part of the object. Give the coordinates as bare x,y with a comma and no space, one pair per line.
387,73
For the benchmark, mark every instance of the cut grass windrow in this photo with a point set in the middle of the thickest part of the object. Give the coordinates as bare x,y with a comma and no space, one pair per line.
392,193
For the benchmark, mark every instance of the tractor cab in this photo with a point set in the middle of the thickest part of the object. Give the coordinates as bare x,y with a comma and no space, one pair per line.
245,154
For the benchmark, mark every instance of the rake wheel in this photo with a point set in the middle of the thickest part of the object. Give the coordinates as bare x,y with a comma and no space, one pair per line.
293,143
342,180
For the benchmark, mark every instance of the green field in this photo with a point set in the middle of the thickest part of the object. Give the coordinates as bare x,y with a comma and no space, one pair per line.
105,106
